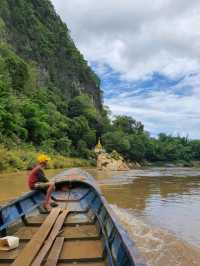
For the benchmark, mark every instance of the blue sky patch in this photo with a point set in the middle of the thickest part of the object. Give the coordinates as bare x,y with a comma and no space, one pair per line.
113,84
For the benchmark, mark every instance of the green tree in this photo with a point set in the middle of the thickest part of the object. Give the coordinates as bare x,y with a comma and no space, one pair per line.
35,122
128,125
118,141
63,146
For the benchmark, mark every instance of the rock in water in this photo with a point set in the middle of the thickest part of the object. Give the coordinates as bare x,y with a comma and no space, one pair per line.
112,162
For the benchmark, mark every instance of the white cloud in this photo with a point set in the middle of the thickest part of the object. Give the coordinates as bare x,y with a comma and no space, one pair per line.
164,111
136,39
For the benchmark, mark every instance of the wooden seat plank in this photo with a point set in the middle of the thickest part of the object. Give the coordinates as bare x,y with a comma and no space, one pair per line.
36,220
27,255
82,250
82,231
78,218
25,233
55,252
49,242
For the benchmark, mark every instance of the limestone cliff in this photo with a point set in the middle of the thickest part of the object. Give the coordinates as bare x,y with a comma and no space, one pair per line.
36,33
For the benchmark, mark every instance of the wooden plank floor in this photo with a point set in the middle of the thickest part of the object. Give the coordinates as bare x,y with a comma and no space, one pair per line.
25,233
73,218
49,242
12,254
82,243
54,253
28,253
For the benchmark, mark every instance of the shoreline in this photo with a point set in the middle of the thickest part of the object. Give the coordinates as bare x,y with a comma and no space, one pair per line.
22,159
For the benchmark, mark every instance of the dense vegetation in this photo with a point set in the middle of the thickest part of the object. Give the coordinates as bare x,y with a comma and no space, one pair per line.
50,99
24,157
39,116
128,137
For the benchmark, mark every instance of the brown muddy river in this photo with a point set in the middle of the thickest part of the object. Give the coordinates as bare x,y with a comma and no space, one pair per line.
160,207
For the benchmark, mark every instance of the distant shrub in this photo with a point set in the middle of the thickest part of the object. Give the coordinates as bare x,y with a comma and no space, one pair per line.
24,158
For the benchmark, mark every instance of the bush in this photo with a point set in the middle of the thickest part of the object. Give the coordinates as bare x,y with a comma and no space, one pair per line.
63,146
24,158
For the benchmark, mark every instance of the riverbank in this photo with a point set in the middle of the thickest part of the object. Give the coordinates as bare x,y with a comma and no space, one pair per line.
24,158
179,163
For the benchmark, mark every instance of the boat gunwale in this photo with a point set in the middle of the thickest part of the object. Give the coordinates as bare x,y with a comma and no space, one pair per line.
89,180
25,196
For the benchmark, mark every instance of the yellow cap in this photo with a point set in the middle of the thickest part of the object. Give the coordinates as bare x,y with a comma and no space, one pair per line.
42,158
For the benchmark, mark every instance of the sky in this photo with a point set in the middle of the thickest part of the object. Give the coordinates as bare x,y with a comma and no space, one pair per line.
146,53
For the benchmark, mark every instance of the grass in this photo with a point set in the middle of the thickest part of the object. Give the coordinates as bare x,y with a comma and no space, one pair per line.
24,158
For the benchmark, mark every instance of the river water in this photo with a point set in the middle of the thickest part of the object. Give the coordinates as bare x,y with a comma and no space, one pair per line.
159,207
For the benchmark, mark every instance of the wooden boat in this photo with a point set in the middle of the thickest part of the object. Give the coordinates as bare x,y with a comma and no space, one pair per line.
82,230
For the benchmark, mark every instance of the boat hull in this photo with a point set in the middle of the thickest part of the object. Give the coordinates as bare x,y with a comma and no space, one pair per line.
77,191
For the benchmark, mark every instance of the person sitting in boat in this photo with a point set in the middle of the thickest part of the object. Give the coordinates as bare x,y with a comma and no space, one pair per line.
38,180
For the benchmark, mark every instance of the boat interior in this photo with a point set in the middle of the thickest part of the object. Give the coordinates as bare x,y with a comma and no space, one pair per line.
85,235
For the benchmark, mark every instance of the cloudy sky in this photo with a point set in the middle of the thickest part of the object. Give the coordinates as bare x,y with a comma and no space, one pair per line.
147,55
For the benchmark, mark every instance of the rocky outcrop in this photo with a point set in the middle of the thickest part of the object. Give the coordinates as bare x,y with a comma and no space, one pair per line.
112,162
134,165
